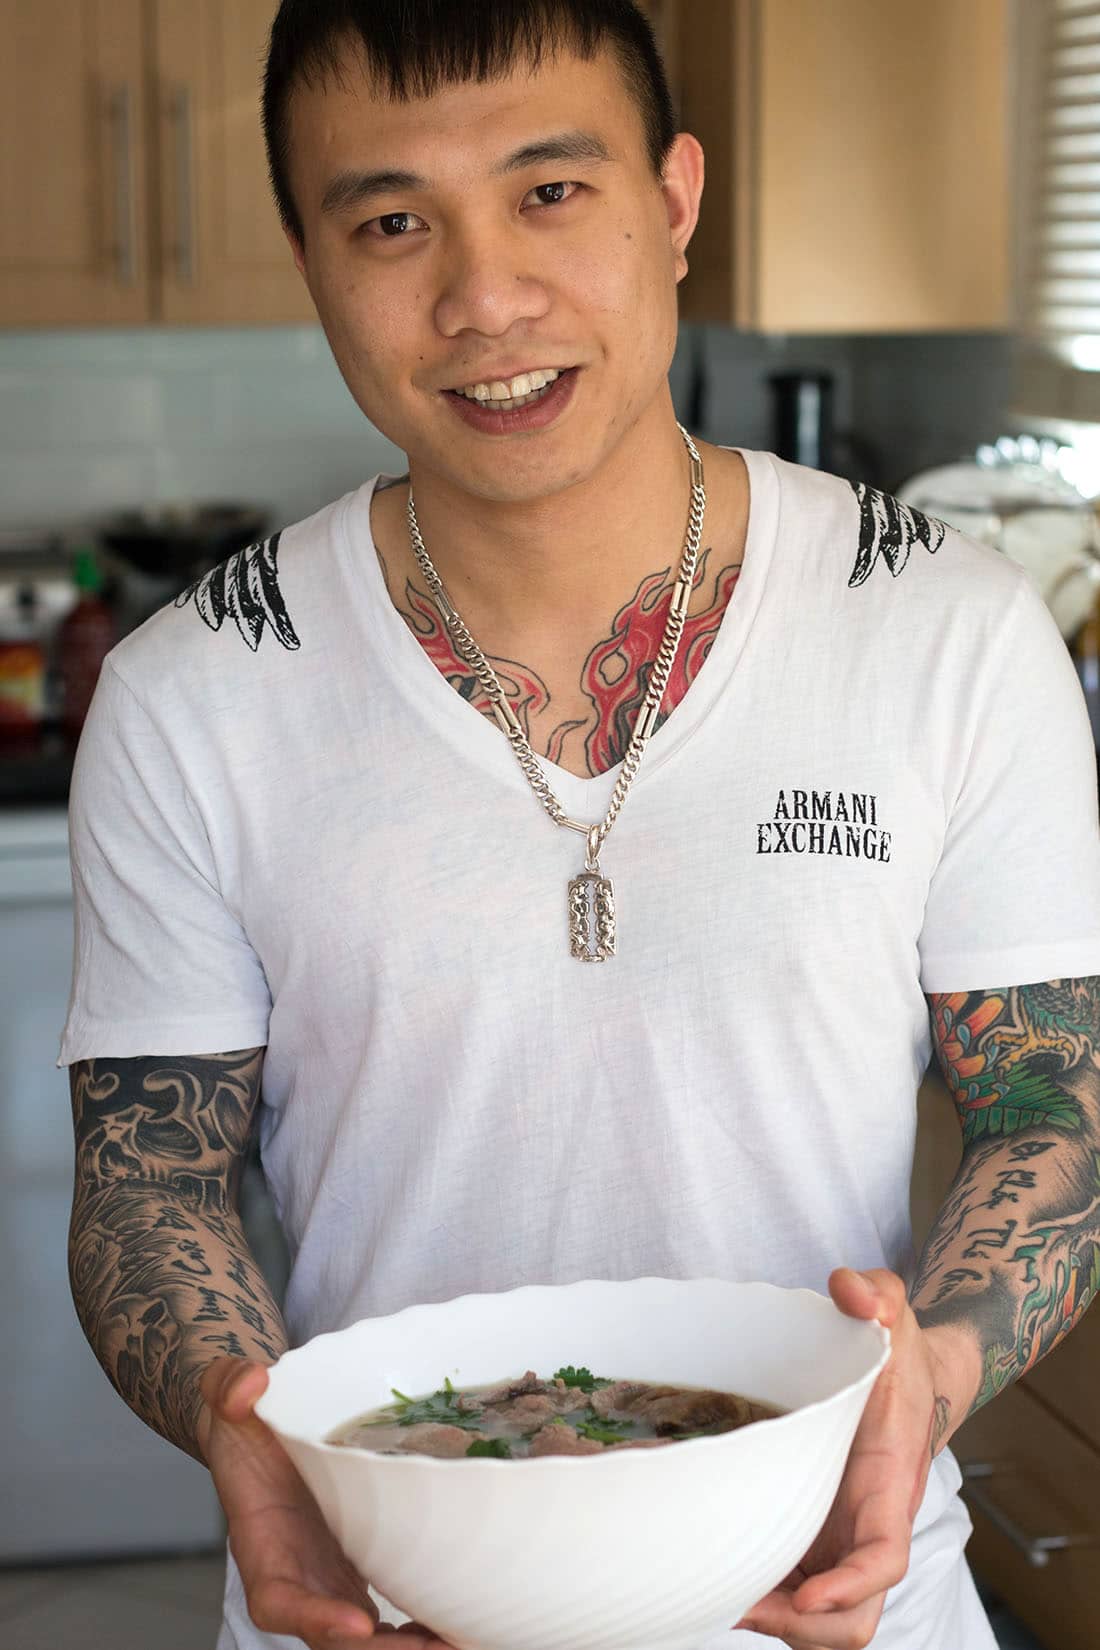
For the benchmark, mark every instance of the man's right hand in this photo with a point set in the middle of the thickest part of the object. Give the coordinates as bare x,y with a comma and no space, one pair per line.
296,1578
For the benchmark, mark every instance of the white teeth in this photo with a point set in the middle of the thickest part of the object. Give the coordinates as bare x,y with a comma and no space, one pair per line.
524,384
517,401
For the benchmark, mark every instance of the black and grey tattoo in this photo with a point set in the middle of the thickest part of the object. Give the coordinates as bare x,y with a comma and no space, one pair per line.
161,1275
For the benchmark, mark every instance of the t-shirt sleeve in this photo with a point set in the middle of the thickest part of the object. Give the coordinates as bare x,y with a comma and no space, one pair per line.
1015,897
160,964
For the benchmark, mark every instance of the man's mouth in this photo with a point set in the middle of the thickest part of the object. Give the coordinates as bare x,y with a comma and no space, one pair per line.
504,395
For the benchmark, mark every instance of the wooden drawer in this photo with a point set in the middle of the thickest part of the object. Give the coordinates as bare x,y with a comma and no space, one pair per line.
1039,1485
1067,1381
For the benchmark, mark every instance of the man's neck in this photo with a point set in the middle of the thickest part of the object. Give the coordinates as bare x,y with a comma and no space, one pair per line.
524,572
577,678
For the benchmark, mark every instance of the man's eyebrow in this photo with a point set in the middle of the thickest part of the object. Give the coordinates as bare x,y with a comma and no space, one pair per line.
355,189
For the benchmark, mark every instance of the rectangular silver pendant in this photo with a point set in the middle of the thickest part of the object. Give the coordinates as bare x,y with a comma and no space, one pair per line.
591,917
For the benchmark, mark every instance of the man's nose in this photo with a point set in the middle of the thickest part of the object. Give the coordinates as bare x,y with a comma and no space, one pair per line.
489,281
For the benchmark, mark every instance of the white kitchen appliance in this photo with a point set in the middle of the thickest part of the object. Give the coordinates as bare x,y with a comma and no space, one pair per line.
83,1477
1015,495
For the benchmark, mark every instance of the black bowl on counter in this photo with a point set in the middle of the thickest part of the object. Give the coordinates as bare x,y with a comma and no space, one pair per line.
182,541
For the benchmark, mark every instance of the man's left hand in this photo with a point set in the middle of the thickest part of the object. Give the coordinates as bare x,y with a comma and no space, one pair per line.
833,1599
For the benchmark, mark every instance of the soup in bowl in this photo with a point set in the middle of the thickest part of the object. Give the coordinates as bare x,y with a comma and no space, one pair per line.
609,1548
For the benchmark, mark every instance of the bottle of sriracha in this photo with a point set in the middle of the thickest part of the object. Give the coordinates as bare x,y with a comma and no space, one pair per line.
22,675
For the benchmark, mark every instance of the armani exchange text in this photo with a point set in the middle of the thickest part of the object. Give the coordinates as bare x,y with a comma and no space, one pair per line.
825,822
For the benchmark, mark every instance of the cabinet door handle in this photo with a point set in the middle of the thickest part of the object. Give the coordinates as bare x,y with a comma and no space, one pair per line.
183,249
977,1475
120,114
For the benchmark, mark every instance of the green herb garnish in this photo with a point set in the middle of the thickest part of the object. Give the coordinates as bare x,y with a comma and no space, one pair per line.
603,1430
439,1407
582,1378
491,1446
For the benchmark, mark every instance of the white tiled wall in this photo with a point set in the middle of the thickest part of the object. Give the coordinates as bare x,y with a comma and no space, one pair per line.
97,420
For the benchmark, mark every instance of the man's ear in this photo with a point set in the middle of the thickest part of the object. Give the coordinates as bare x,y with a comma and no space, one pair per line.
682,187
297,249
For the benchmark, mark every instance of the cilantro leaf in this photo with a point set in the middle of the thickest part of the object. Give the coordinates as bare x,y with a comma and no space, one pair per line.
438,1407
604,1431
582,1378
491,1446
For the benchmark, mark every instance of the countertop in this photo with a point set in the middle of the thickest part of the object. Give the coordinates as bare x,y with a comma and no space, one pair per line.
33,778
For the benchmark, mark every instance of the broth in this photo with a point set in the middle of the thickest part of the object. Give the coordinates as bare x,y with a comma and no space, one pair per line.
572,1413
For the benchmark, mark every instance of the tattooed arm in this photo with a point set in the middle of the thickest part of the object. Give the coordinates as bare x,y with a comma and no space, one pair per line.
161,1275
1013,1259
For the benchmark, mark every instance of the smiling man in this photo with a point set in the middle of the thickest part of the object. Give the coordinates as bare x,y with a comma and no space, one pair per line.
577,845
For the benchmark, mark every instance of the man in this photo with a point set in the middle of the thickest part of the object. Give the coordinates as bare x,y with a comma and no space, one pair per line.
308,829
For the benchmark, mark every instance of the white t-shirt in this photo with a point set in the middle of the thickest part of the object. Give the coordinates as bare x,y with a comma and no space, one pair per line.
288,829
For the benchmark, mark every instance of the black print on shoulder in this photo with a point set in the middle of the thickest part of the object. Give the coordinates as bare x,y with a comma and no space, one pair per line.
246,586
890,529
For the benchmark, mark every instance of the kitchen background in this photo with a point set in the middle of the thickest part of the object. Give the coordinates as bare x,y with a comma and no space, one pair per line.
885,188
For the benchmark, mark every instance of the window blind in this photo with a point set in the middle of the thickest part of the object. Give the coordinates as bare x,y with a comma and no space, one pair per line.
1058,253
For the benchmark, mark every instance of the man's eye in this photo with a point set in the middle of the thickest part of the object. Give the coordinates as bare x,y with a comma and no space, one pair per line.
558,199
394,226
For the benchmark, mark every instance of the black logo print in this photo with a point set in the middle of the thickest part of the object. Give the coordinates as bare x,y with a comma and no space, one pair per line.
246,586
841,823
890,529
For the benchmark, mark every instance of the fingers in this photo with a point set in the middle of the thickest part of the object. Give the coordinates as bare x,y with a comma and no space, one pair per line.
867,1573
867,1535
873,1294
230,1387
873,1538
844,1630
297,1581
280,1605
415,1636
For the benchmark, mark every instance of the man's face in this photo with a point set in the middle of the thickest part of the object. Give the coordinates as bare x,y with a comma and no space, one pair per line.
478,271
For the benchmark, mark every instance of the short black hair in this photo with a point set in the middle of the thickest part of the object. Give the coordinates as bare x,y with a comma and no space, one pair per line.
410,48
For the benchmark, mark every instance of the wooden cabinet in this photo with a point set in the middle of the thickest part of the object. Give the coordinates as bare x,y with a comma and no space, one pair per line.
73,163
223,254
133,179
1032,1486
858,162
1030,1457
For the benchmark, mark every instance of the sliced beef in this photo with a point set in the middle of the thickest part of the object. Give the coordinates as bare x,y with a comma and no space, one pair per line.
671,1410
501,1394
527,1402
428,1438
469,1404
617,1396
569,1398
555,1439
530,1408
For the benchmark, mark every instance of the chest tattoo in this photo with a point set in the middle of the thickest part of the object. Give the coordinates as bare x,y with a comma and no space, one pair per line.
613,678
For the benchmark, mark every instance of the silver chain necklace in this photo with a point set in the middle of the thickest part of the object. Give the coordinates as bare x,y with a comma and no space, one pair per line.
591,895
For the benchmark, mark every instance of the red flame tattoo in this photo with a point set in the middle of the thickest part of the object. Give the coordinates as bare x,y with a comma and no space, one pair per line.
525,692
617,672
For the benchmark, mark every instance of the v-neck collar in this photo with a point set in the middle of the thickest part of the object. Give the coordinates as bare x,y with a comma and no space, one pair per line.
480,739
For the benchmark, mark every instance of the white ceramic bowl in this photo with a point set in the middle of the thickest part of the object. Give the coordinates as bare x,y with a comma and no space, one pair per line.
633,1550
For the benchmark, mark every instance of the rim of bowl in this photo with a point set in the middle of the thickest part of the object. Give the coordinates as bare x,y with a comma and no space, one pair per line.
449,1463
